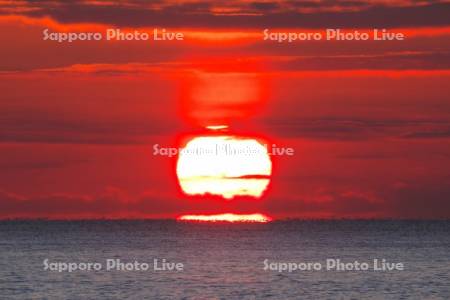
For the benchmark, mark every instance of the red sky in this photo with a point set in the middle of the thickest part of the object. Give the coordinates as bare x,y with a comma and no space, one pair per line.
369,121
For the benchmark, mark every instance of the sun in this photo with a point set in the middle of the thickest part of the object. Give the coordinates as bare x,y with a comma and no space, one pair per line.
228,217
224,165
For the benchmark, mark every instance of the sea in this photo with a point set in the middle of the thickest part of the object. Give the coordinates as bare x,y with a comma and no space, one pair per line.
168,259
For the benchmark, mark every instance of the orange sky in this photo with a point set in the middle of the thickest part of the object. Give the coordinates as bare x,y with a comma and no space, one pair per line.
369,121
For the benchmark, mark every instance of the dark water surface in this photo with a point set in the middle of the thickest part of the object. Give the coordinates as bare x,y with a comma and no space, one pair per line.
224,261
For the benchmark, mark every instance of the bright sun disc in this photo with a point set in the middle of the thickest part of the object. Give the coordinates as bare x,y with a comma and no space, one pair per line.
226,165
250,218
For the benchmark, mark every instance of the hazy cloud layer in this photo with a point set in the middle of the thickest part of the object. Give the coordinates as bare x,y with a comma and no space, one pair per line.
243,14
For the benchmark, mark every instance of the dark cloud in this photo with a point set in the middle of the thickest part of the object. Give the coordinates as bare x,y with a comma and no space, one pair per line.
116,203
388,61
329,3
188,8
421,52
418,201
355,129
42,129
195,15
264,6
438,134
405,202
336,204
39,165
49,127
